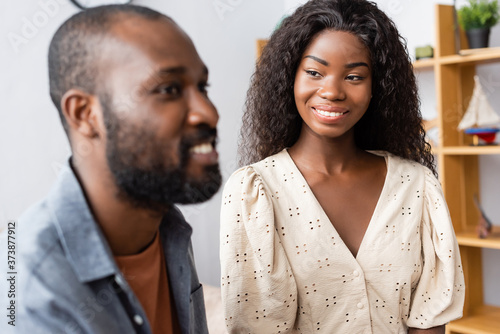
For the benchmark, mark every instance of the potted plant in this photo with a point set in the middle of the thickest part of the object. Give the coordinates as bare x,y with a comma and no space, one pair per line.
476,19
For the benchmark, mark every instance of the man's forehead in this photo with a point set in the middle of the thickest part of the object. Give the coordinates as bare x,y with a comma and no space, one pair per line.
133,28
159,42
140,52
160,36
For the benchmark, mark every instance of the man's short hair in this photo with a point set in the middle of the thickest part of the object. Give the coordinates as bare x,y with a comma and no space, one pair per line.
77,48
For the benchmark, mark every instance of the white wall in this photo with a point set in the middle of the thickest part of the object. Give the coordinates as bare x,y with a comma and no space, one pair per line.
33,145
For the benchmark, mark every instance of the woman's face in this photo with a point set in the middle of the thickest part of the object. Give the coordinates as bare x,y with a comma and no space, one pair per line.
333,84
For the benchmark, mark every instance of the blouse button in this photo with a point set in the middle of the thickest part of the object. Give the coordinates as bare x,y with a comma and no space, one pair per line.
138,319
355,273
360,305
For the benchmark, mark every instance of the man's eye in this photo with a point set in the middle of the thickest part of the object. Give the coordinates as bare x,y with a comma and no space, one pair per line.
313,73
203,87
168,90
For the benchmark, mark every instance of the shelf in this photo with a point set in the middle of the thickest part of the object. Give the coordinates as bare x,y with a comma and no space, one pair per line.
468,150
467,52
486,321
482,56
471,239
435,150
467,57
424,63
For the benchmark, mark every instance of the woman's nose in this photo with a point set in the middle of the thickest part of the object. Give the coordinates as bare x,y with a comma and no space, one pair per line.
332,89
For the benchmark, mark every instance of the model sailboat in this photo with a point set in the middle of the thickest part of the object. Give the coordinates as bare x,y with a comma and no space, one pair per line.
481,115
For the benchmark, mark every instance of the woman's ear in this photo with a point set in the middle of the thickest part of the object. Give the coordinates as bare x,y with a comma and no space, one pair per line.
80,110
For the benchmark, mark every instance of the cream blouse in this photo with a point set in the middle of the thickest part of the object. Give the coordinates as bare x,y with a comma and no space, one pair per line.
286,270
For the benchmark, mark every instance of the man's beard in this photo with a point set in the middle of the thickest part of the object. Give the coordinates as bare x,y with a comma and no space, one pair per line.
143,174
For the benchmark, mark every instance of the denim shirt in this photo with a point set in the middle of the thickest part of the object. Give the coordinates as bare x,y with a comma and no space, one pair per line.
70,283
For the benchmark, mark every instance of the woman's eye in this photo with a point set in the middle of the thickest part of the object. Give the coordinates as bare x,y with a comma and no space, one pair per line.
353,77
313,73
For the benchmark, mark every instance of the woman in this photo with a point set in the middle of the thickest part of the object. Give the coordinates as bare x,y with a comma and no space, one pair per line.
339,225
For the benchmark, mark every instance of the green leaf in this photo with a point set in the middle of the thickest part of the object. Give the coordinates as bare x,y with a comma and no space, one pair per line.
478,14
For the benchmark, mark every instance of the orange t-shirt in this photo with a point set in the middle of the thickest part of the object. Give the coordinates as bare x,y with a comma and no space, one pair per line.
146,273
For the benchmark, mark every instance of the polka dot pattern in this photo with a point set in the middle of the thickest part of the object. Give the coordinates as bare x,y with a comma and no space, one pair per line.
285,269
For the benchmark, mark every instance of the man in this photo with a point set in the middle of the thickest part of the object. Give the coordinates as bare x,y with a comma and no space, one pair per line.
106,250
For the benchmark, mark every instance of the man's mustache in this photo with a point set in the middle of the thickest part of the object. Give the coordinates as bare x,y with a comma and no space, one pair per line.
203,134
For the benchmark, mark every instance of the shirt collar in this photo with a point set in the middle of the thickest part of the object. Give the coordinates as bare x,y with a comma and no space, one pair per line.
84,244
86,247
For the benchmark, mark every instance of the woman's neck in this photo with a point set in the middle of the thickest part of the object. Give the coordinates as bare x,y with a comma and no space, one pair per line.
325,155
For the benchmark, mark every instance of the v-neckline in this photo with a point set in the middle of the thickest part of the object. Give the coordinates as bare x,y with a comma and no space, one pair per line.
323,212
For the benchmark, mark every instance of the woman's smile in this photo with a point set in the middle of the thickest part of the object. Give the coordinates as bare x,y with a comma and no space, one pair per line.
329,114
333,83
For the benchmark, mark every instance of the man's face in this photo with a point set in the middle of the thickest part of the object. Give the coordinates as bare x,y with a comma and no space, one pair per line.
160,123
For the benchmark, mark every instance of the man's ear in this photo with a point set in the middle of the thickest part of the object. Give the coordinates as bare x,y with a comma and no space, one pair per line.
80,110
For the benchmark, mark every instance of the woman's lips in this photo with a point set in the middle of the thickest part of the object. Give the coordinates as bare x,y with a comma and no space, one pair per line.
329,114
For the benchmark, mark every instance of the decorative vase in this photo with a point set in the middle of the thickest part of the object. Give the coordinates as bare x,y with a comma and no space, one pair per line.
478,38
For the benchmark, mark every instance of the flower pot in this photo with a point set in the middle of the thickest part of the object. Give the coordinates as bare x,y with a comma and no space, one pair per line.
478,38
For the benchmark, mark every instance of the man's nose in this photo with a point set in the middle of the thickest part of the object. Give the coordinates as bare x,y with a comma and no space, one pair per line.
202,110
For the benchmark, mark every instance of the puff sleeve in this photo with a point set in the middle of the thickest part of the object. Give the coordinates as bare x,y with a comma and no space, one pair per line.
259,293
439,295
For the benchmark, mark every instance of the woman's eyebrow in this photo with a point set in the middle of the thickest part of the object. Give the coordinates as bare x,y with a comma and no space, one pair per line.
357,64
319,60
350,65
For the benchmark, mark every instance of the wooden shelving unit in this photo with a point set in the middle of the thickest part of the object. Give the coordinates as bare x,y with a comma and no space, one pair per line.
259,46
470,150
424,63
458,166
469,238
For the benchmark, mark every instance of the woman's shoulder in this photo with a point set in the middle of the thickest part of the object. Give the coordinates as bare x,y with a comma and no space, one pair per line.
414,171
401,162
276,160
408,170
255,174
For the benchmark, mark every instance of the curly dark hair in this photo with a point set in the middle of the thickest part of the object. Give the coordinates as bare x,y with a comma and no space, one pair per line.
393,121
